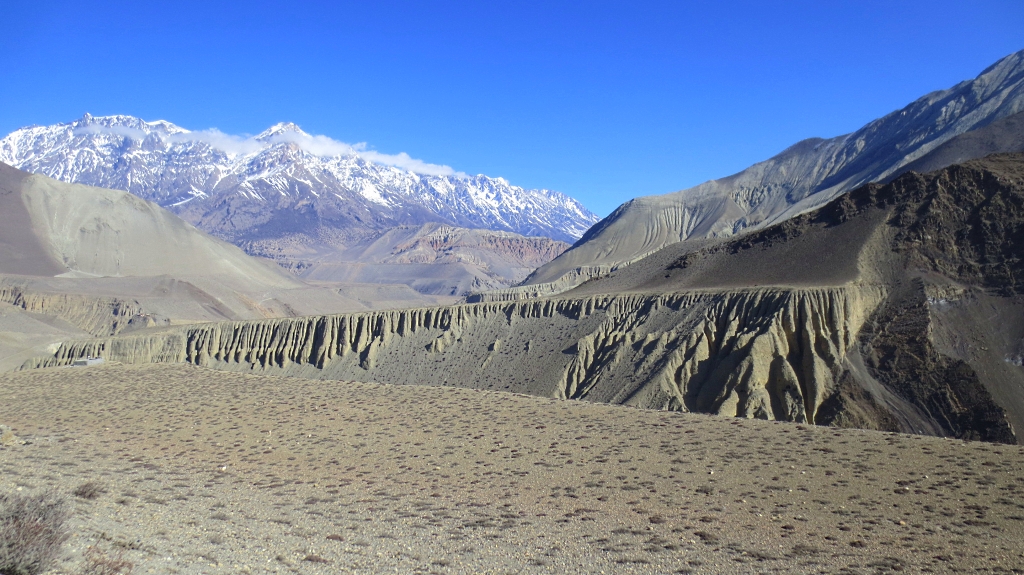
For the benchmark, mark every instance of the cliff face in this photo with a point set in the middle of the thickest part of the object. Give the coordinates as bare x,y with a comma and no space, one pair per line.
99,316
767,353
672,349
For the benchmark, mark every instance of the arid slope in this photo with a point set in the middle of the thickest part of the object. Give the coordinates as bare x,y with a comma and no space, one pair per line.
431,258
80,258
805,176
217,472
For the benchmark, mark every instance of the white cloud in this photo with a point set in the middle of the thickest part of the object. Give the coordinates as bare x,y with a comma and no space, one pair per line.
329,147
227,143
322,146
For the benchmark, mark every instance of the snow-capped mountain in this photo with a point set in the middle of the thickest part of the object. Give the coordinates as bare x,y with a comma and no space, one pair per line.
283,183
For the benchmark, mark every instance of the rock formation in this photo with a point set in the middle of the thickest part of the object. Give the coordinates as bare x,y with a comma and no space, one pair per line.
96,315
875,311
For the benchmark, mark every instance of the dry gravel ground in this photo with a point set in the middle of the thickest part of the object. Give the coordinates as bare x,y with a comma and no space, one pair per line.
214,472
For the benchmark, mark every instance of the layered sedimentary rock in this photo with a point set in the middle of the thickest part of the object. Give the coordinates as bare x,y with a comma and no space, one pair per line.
676,350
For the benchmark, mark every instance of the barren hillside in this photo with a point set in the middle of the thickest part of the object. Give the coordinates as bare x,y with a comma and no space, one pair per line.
260,474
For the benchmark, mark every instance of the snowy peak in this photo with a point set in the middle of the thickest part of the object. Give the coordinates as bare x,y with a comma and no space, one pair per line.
283,181
123,126
278,129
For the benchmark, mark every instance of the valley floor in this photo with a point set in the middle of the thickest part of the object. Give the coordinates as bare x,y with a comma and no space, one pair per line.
214,472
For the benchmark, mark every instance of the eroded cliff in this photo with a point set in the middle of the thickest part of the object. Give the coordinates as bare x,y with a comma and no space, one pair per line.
99,316
769,353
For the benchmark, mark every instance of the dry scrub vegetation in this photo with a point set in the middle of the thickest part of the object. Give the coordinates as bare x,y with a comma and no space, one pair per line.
198,471
34,527
32,530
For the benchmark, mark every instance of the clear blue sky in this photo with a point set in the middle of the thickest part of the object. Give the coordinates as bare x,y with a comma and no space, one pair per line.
604,101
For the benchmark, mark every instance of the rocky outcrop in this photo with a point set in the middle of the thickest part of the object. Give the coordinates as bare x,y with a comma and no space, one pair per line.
774,354
900,354
783,354
99,316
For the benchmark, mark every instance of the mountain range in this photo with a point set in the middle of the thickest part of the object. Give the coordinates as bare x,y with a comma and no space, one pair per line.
307,398
970,120
297,198
894,306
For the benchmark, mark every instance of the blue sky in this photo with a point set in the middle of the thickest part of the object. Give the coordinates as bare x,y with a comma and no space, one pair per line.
604,101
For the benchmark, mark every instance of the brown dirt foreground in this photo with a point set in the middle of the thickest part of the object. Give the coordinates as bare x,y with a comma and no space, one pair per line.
214,472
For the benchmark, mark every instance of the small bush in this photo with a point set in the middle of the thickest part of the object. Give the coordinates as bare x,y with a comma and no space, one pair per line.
89,490
32,530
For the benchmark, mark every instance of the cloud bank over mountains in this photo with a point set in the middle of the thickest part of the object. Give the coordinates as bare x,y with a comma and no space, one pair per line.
240,145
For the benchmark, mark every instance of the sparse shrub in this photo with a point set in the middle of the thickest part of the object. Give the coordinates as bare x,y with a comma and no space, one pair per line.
7,437
98,562
89,490
32,530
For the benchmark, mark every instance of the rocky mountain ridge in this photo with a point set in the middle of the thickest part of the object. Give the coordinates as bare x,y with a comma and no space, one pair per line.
806,175
283,182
